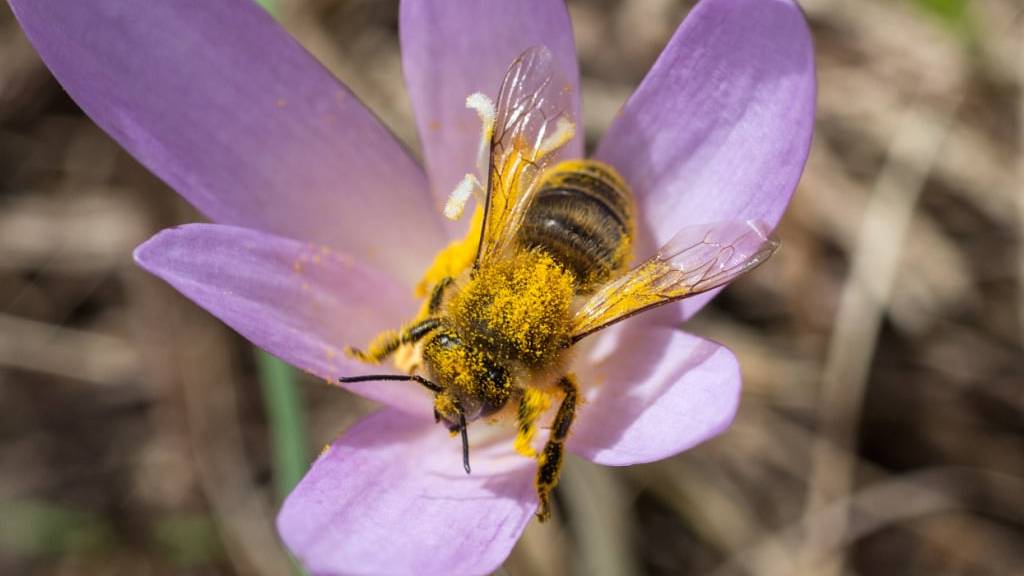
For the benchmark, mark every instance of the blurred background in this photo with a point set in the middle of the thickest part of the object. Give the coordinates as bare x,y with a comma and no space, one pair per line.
882,425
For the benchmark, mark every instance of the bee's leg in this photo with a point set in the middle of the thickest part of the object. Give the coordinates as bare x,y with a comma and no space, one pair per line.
386,343
437,294
550,462
532,404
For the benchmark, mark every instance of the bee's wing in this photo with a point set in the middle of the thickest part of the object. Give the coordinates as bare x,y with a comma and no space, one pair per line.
533,120
695,260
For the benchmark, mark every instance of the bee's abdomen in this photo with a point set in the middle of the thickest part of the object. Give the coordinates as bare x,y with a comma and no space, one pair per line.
582,216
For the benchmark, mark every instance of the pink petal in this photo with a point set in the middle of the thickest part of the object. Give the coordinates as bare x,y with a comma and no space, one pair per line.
453,49
660,392
391,497
298,301
721,126
222,104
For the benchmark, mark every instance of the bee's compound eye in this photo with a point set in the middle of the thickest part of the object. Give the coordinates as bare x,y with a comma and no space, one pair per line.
497,389
497,375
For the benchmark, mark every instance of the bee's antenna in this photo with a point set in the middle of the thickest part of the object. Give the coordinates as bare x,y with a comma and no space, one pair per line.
392,377
465,442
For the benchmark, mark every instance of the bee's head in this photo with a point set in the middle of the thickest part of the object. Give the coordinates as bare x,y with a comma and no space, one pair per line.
473,384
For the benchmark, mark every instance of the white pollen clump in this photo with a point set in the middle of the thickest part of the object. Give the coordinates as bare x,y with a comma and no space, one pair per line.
564,131
456,203
484,107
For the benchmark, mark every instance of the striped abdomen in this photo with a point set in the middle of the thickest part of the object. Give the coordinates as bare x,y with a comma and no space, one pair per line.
582,216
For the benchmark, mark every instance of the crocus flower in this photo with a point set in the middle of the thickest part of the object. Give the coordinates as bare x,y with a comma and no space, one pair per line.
323,224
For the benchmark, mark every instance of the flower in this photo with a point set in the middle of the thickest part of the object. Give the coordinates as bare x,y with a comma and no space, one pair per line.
323,223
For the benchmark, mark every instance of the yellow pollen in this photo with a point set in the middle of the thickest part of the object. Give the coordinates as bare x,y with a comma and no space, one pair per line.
525,303
533,405
453,259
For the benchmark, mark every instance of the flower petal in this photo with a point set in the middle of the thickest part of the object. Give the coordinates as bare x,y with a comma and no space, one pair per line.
661,391
721,126
222,104
298,301
390,497
453,49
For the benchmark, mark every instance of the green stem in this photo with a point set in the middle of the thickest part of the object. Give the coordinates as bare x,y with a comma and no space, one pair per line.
289,455
269,6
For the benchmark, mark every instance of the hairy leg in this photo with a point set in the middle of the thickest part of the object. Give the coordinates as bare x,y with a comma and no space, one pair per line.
437,294
532,405
550,460
387,342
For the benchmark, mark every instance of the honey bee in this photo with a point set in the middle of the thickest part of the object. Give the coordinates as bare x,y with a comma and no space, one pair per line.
549,268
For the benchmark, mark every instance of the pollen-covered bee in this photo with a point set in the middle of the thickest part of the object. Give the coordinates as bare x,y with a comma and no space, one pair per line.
544,266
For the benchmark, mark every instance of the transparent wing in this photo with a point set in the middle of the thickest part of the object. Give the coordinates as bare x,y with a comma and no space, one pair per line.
697,259
533,120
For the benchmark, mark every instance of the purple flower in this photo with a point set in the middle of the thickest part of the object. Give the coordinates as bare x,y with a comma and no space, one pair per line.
324,224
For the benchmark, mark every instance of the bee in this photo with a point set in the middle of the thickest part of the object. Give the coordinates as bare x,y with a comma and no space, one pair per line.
550,267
